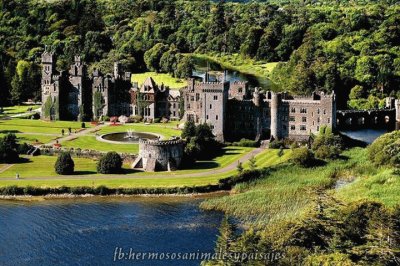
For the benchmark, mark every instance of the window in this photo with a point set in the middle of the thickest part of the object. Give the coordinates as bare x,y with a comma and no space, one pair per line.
304,119
293,110
210,106
174,105
212,126
318,111
215,97
188,106
216,117
292,127
324,111
240,90
303,128
197,96
292,118
303,111
206,116
329,120
318,120
192,98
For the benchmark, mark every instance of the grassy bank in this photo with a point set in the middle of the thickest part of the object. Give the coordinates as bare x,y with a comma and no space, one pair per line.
288,191
260,69
159,78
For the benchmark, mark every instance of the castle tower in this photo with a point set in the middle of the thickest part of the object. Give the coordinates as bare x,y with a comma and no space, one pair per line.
256,97
50,87
117,70
275,103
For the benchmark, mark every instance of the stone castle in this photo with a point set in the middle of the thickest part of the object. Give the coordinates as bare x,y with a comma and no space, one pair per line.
232,109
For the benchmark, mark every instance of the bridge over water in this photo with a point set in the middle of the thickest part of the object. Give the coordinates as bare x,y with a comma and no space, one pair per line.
362,119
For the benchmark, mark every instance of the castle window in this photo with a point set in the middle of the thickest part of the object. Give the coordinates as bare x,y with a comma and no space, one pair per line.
304,119
216,117
317,128
174,105
215,97
206,116
292,119
188,106
192,98
318,111
174,113
324,111
212,126
210,106
197,96
240,90
292,127
293,110
303,128
303,110
318,120
329,120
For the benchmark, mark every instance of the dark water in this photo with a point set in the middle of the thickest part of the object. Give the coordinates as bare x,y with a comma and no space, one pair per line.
125,137
87,231
202,65
366,135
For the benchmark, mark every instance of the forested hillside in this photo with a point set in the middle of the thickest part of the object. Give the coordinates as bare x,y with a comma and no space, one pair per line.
328,45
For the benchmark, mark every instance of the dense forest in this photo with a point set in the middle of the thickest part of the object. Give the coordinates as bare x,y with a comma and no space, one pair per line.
350,47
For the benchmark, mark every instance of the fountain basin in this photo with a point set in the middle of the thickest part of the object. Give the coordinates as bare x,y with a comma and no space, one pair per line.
125,138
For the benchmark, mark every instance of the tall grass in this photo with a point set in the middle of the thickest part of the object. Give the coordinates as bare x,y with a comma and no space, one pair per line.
287,191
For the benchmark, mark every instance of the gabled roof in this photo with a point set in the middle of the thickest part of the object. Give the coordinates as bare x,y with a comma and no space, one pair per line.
148,83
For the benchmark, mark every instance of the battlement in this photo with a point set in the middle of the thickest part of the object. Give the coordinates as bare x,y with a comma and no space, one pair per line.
161,142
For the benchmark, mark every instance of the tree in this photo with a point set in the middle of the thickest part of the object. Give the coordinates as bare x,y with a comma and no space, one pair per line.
64,164
303,157
226,236
189,130
111,163
327,145
153,56
8,149
253,163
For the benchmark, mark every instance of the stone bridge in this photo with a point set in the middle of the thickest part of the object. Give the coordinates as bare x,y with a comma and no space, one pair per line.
361,119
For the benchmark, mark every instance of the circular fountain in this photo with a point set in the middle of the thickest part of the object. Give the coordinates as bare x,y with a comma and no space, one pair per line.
129,137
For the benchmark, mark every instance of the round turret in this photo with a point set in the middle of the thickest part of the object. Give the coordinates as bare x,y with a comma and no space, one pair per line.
275,102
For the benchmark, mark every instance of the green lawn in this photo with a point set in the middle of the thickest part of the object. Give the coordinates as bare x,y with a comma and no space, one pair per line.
167,130
19,109
43,166
159,78
90,142
37,126
259,69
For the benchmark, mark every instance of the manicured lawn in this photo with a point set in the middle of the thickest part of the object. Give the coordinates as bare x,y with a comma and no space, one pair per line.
159,78
19,109
31,138
37,126
270,157
167,130
43,166
90,142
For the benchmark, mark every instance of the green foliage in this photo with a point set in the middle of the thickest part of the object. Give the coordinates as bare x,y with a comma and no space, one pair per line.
111,163
8,149
327,145
385,150
98,102
303,157
153,56
246,143
253,163
64,164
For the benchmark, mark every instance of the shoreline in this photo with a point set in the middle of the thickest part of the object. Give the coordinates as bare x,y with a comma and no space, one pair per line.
66,196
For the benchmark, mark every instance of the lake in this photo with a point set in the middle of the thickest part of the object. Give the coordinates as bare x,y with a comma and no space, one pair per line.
366,135
88,231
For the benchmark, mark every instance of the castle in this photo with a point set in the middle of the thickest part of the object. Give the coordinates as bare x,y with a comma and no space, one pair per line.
232,109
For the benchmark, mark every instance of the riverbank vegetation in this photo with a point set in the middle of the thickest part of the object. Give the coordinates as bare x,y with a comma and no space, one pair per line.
343,211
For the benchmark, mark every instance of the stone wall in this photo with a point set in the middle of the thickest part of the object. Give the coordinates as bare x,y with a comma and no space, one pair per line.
159,155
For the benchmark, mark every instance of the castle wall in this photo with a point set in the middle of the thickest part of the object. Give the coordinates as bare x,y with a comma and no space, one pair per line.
161,155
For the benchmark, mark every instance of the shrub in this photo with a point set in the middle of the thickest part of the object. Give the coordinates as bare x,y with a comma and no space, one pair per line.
327,145
386,150
111,163
303,157
24,148
157,120
64,164
136,118
246,143
276,144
